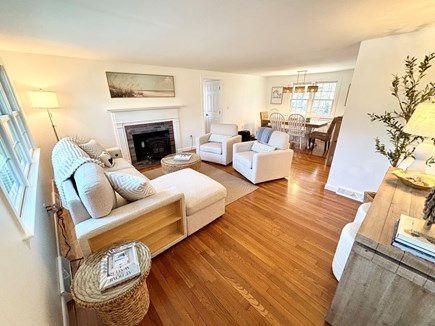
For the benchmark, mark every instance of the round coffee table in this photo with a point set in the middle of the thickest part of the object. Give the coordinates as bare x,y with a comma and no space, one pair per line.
170,165
123,304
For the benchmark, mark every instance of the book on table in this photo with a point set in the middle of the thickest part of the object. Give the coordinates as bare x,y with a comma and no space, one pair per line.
119,265
412,237
182,157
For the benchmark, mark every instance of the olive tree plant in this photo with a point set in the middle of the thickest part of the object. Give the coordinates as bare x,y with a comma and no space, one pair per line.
406,89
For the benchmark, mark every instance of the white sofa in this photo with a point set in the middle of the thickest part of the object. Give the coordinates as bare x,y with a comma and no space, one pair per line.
259,162
217,145
182,202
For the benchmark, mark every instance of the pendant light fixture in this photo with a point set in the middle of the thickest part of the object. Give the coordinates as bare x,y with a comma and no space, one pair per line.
312,88
287,89
299,88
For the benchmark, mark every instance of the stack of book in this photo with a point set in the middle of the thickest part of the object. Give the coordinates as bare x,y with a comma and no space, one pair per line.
182,157
119,265
410,236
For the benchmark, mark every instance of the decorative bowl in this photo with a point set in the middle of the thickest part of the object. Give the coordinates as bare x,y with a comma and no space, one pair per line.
415,179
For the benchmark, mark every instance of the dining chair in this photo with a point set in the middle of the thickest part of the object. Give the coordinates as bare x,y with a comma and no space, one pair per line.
273,110
264,118
324,136
277,121
296,128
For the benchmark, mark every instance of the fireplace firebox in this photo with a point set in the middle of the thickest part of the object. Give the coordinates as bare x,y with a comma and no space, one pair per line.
148,143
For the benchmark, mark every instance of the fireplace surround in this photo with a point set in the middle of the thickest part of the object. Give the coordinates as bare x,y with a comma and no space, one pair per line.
150,119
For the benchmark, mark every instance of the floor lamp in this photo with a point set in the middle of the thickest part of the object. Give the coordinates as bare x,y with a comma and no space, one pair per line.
45,100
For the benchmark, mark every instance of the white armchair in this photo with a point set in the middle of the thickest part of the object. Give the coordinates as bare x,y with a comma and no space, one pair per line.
259,162
217,146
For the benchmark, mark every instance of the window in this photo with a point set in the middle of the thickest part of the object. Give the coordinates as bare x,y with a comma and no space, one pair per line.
16,146
315,104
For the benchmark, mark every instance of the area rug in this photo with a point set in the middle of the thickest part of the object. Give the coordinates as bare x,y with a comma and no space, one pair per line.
236,187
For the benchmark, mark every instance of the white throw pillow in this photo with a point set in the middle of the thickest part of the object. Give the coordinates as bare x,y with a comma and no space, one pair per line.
261,148
94,189
130,187
218,138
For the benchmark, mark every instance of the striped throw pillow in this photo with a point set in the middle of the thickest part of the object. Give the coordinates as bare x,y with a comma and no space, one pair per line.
92,148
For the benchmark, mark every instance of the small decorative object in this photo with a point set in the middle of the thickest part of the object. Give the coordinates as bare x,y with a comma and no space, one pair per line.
429,209
140,85
119,265
415,179
409,95
276,97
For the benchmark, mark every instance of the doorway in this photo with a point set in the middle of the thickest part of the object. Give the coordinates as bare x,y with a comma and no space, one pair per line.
211,90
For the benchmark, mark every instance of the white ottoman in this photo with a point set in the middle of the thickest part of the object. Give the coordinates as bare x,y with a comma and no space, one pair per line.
204,197
346,241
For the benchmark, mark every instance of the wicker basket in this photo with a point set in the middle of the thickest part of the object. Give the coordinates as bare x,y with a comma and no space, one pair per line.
369,196
124,304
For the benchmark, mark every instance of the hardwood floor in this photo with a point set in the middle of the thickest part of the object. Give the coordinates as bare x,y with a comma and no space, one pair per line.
266,261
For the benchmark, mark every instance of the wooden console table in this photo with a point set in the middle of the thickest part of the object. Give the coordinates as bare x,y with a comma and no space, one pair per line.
381,284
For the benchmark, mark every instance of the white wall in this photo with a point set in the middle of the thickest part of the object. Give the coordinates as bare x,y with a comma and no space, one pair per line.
343,79
356,165
29,293
83,95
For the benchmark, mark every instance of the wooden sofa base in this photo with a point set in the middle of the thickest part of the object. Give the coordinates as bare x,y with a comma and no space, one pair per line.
158,229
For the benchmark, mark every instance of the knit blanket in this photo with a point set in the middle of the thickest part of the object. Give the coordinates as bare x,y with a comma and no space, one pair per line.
66,158
263,134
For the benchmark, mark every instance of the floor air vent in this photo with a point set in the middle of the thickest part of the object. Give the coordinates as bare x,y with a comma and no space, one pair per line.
349,193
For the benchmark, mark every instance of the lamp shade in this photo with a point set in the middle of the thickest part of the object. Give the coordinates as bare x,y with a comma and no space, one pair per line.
312,89
422,121
299,89
43,100
287,89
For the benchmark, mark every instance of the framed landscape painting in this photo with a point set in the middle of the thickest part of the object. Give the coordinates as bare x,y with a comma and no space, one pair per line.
140,85
276,96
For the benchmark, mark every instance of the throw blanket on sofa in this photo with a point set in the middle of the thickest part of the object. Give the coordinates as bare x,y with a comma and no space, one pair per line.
263,134
66,158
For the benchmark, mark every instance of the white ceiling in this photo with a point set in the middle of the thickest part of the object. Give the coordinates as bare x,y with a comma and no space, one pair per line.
266,37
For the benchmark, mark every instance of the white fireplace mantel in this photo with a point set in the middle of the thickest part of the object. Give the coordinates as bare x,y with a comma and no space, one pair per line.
134,116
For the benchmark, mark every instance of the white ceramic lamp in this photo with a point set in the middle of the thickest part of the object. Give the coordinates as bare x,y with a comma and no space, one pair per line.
45,100
422,123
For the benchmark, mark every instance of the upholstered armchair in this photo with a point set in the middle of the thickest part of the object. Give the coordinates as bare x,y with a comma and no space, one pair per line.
217,146
259,162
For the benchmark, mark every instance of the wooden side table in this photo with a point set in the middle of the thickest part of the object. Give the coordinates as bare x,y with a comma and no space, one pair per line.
170,165
124,304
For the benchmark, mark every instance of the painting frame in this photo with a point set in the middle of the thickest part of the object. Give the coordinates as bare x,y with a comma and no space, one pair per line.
276,95
137,85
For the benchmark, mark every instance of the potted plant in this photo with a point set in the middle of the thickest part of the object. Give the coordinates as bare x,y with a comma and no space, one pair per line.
408,94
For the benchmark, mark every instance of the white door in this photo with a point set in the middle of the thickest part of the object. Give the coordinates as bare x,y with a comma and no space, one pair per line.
212,103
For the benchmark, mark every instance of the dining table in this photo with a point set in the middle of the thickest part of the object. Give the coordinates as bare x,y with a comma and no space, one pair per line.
309,126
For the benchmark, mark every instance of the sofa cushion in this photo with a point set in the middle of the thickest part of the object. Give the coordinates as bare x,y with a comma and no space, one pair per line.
245,158
218,138
261,148
92,148
94,189
130,187
215,148
199,190
118,164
